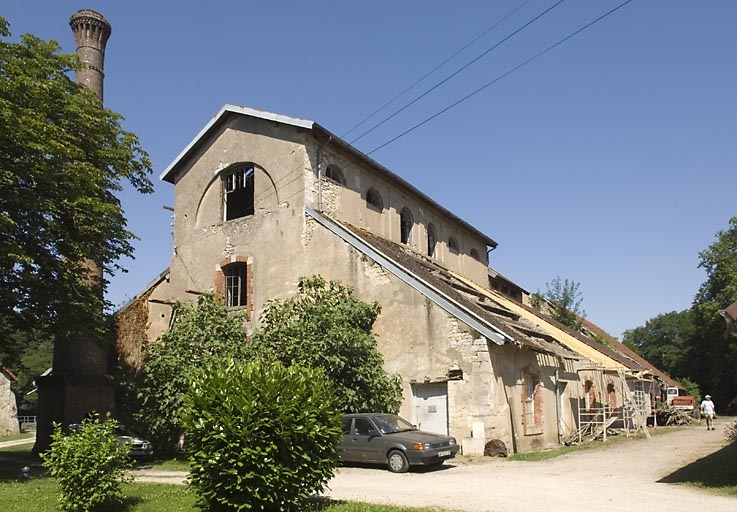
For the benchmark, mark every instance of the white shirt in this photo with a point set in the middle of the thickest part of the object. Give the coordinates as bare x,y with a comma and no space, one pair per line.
707,406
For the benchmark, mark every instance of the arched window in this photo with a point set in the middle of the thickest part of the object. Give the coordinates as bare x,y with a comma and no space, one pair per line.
405,225
431,240
373,200
238,193
334,173
453,245
475,254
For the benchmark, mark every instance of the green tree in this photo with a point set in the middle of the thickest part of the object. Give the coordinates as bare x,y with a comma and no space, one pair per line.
664,341
201,331
35,361
714,351
62,159
562,301
325,326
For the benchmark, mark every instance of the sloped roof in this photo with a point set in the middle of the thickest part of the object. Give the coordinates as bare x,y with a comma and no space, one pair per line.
515,329
631,354
8,373
595,352
228,111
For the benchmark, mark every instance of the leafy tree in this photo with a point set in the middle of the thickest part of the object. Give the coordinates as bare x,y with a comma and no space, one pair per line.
715,352
260,436
201,331
35,361
664,341
325,326
562,301
62,159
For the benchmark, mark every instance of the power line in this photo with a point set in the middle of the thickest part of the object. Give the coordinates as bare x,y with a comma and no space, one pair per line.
433,70
500,77
472,61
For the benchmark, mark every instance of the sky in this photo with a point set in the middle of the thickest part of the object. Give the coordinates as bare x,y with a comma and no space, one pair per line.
609,160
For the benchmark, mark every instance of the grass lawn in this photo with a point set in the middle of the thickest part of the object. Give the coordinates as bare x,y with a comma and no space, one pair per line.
40,492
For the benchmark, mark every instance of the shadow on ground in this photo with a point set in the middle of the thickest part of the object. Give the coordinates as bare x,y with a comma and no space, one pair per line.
717,470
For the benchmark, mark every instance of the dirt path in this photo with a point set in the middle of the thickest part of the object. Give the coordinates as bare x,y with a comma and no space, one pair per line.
617,477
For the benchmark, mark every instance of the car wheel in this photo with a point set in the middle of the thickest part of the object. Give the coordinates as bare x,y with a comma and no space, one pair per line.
397,462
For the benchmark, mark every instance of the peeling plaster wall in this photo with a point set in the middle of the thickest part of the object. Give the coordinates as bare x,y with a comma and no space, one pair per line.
348,203
417,338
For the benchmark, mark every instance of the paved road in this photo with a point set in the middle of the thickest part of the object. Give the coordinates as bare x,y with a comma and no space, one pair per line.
8,444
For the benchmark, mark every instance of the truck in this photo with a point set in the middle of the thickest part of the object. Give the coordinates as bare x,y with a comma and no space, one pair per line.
676,400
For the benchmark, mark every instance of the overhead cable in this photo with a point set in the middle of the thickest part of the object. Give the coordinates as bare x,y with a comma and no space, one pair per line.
500,77
433,70
472,61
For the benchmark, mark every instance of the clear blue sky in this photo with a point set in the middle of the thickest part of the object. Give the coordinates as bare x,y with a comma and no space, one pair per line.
609,161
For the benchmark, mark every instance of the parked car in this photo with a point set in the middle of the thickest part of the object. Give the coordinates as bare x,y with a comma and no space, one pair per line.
140,448
391,440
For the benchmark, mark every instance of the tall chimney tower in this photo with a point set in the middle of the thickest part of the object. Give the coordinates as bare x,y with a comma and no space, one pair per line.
79,383
91,32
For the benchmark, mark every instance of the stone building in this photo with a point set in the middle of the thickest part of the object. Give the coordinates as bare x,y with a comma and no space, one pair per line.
262,199
9,425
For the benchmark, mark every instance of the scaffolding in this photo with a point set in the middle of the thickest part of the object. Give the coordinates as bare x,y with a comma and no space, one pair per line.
596,416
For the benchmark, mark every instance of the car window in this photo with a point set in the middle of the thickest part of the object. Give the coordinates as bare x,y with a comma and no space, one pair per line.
347,426
362,426
390,423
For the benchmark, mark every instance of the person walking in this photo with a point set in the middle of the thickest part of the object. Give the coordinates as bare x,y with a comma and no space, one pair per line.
707,411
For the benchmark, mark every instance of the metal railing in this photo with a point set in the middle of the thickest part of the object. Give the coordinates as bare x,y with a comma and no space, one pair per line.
27,422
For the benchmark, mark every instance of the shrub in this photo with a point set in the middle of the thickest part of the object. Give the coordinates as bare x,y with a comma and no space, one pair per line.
202,330
260,436
89,464
730,432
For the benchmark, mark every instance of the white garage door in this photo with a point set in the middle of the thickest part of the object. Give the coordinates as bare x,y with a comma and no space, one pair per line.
431,407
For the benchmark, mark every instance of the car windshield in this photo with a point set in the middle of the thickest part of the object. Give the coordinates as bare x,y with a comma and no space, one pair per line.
390,423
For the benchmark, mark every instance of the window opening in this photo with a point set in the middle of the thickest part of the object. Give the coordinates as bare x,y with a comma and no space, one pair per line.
334,173
405,221
431,240
453,245
475,254
235,284
532,404
373,200
238,193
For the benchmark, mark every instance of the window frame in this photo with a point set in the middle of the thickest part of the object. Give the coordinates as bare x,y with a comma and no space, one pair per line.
406,223
374,200
238,190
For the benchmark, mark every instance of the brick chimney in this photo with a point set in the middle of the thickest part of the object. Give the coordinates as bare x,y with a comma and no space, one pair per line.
91,32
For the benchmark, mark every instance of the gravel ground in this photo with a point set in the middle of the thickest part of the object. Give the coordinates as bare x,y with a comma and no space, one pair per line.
617,477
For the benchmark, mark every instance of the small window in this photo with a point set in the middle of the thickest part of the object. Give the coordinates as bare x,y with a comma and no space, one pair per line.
334,173
532,404
475,254
453,245
235,284
238,193
406,222
432,240
362,427
373,200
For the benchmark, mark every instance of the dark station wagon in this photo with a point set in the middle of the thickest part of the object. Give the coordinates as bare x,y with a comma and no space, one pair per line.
391,440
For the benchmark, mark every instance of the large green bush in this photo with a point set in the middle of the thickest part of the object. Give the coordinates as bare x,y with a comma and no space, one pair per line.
260,436
325,326
201,330
89,464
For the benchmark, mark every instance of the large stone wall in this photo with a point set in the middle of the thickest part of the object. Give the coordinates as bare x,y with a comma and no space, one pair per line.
8,410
